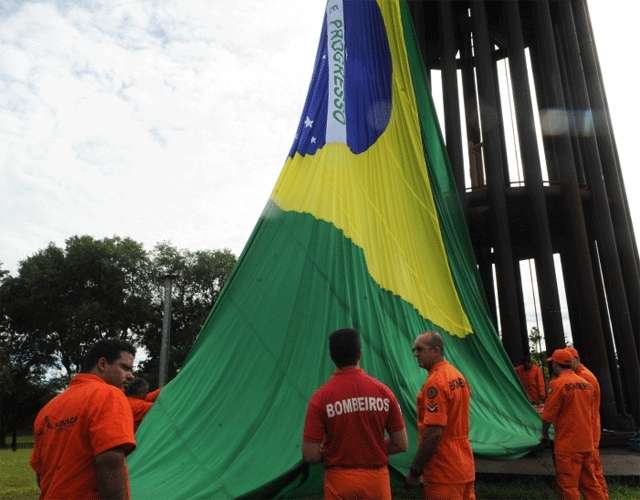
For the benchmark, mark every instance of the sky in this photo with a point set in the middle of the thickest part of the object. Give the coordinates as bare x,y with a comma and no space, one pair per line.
164,120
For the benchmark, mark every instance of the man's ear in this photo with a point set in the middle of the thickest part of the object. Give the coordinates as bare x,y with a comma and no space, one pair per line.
102,364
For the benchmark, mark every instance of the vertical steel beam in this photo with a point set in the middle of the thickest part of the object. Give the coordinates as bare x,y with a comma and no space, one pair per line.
485,267
610,165
608,336
545,269
590,329
450,92
601,218
507,292
542,91
474,145
524,333
563,59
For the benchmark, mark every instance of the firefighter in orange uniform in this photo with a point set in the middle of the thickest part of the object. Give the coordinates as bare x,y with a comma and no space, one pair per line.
444,460
569,408
530,374
82,436
585,373
137,393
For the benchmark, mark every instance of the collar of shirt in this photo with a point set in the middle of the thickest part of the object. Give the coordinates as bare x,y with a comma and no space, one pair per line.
347,371
83,378
438,365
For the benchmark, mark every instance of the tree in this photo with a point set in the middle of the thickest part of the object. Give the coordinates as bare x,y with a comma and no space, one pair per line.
199,279
535,339
69,298
65,299
24,359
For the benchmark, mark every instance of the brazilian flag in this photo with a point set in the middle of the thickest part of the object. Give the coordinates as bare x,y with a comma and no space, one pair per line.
363,229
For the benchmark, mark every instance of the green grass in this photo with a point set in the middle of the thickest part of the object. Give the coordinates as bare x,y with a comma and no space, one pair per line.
537,487
17,480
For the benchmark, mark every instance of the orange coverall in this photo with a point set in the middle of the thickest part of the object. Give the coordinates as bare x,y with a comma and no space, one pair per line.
444,401
585,373
569,408
533,382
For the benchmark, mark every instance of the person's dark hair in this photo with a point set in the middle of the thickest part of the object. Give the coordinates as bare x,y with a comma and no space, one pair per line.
137,387
109,349
563,366
344,347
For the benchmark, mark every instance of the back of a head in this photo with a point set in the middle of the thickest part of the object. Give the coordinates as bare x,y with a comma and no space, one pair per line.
434,339
109,349
138,387
562,360
344,347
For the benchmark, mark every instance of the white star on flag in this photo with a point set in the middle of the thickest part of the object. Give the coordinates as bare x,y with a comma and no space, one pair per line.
308,122
313,140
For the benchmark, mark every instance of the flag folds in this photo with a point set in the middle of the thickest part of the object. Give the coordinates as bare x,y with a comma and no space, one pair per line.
363,229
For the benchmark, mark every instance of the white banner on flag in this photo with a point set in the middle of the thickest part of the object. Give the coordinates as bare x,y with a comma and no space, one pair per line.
337,55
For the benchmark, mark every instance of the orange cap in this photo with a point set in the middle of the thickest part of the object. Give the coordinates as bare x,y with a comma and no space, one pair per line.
573,352
562,356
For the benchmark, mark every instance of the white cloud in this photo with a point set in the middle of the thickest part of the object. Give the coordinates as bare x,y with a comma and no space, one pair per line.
171,120
157,120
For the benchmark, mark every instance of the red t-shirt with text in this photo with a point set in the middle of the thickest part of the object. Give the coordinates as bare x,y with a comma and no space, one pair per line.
350,414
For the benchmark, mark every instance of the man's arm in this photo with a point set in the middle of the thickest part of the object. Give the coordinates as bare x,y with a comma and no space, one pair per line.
397,442
311,452
427,448
153,395
110,474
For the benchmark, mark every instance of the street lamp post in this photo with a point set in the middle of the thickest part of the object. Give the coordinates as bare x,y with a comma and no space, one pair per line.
166,330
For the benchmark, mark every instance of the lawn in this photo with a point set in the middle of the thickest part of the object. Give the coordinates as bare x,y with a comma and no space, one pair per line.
17,482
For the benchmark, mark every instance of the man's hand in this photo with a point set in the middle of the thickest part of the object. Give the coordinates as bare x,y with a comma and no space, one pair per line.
545,441
411,480
544,438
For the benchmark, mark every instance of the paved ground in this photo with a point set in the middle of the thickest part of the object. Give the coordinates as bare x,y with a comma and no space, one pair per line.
615,461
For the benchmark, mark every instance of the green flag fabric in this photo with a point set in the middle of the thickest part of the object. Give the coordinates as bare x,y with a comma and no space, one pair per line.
364,229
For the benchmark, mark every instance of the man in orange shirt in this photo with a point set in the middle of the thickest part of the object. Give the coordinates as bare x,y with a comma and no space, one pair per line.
83,435
444,459
584,372
569,408
532,379
346,423
137,392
